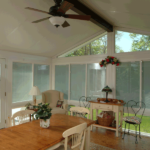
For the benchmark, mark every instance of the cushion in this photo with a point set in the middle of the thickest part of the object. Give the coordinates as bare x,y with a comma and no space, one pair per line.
132,119
59,103
52,96
57,110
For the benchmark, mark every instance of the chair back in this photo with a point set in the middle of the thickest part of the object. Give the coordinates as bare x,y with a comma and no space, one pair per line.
23,116
136,107
51,97
78,137
79,111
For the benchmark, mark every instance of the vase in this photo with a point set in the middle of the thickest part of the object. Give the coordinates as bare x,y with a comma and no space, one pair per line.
45,123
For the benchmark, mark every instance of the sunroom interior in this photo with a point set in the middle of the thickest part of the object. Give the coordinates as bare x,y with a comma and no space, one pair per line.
69,60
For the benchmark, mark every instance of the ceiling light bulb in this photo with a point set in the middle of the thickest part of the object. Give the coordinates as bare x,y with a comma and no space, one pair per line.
57,21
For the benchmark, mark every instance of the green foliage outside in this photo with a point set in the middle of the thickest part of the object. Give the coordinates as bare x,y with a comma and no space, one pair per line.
144,125
99,46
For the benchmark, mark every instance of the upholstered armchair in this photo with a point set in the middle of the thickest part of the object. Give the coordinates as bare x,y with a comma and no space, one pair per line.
52,96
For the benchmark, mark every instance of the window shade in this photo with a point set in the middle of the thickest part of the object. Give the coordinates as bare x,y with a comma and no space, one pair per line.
22,82
146,83
96,81
62,79
128,81
77,81
41,78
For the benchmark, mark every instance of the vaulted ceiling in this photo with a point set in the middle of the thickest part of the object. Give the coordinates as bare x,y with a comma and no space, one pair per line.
18,34
123,13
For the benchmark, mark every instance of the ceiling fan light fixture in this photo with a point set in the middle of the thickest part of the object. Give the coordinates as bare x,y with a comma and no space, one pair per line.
57,21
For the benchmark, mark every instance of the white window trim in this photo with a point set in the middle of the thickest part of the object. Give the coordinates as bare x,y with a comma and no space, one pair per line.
22,104
82,45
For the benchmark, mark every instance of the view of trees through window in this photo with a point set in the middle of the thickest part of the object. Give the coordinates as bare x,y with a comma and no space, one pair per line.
131,42
98,46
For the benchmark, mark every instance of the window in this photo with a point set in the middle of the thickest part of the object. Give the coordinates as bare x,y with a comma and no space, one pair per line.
146,83
128,81
98,46
131,42
62,79
83,82
41,78
95,81
77,81
22,82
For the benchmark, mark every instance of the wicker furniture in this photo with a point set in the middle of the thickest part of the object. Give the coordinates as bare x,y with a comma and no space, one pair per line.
115,107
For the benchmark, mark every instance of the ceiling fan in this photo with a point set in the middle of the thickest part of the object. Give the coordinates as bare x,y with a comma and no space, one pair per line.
58,14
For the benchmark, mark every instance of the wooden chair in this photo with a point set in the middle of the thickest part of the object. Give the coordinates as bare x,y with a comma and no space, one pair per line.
75,136
79,111
23,116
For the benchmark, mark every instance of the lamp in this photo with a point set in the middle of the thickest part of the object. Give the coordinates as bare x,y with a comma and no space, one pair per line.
34,91
57,21
106,89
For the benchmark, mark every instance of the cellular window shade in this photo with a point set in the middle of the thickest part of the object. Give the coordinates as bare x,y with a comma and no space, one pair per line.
146,83
96,80
21,82
128,81
62,79
41,78
77,81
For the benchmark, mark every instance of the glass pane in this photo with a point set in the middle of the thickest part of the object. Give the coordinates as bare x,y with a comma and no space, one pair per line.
146,83
41,78
128,81
22,82
131,42
62,79
77,81
96,77
98,46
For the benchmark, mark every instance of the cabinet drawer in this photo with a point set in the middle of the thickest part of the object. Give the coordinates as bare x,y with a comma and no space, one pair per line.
102,107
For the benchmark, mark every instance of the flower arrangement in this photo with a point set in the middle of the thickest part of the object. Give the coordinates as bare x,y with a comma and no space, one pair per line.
109,60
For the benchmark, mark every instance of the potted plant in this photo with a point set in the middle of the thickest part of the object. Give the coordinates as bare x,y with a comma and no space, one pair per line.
28,105
44,114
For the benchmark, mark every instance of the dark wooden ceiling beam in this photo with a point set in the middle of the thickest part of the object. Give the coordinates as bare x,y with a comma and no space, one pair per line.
96,19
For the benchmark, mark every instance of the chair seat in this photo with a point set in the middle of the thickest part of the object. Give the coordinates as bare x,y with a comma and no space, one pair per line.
132,119
58,110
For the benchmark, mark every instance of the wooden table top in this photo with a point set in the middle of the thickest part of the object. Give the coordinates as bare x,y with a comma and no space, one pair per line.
109,103
30,136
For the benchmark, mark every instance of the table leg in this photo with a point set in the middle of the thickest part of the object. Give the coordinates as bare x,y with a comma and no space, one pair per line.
91,115
30,117
87,139
117,121
121,120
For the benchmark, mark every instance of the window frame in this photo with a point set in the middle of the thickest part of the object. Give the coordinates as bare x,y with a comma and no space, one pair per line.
130,31
70,101
84,44
22,104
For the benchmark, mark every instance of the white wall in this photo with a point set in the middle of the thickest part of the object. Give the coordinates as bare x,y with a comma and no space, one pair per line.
11,57
111,69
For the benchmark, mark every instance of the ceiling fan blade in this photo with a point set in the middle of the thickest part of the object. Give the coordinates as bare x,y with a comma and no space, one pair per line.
65,24
65,6
80,17
37,10
37,21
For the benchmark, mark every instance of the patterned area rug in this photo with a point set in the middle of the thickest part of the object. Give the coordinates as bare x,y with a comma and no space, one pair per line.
93,146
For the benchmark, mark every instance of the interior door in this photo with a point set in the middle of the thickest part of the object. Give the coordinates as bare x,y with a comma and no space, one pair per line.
2,93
